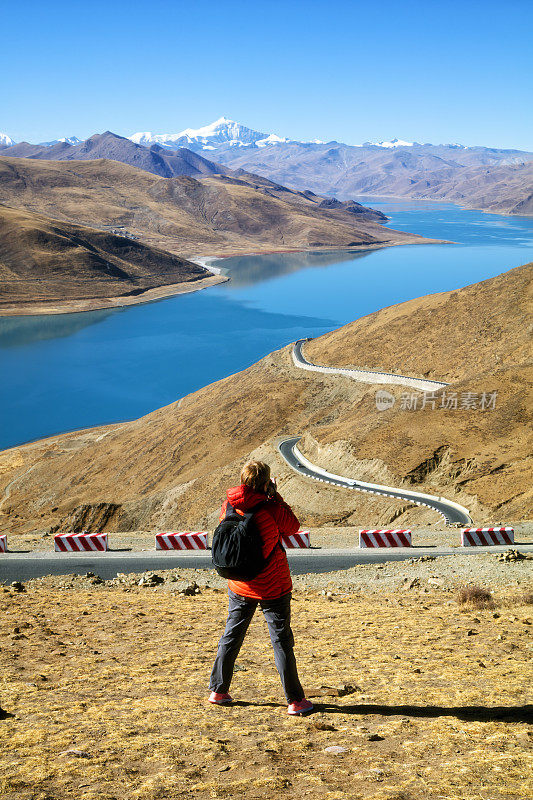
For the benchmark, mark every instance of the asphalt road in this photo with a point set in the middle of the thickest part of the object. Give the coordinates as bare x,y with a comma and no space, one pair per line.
449,512
366,375
23,566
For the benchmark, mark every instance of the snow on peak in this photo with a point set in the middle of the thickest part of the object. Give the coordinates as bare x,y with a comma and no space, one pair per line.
272,138
144,137
393,143
222,132
67,139
5,140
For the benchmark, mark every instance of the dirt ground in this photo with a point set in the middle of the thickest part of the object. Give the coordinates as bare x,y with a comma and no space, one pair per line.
417,697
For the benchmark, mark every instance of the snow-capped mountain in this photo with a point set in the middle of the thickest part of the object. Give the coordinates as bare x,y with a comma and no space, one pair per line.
221,133
225,134
5,140
68,139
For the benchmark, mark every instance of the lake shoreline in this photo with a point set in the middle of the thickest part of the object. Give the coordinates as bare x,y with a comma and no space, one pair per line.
78,306
463,206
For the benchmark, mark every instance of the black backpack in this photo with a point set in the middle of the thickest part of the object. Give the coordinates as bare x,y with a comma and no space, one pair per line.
237,548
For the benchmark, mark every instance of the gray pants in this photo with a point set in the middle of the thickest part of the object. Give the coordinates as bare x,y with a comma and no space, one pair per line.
278,617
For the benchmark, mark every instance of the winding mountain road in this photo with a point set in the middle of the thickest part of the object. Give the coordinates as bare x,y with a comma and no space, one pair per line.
453,513
364,375
23,566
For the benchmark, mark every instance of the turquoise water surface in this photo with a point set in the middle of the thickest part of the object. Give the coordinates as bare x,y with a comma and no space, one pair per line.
72,371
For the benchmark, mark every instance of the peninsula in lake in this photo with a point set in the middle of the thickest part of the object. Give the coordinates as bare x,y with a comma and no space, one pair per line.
87,234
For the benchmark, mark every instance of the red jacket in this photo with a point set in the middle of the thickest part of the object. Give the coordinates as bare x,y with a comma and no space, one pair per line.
272,520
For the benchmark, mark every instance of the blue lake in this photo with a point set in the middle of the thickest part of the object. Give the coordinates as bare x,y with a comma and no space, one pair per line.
71,371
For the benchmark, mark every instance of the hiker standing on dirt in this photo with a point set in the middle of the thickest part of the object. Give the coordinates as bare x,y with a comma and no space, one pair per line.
247,549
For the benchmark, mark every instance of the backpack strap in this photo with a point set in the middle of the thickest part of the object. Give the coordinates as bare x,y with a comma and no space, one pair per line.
250,513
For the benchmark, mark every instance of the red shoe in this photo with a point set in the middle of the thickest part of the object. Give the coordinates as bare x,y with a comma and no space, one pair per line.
301,707
220,698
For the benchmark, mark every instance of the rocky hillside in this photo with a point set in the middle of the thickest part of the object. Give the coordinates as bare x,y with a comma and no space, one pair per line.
170,468
44,260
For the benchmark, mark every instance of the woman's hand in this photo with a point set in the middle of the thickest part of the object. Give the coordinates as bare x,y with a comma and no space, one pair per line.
271,489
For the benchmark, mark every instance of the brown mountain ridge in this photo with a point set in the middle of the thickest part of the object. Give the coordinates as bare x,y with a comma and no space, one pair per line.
42,260
186,216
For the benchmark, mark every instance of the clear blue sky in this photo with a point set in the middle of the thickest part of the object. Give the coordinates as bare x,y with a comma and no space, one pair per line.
442,71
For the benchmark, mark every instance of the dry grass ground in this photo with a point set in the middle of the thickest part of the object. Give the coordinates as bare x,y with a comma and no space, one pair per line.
426,698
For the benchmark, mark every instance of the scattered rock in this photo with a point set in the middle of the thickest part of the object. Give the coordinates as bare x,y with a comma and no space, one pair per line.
151,580
472,632
323,726
191,589
336,749
348,688
421,559
17,586
511,555
75,754
374,737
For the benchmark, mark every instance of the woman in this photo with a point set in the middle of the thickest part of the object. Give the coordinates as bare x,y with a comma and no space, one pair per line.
271,589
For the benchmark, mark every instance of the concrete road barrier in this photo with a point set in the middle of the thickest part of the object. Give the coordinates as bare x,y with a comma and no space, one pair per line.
181,540
475,537
298,539
79,542
3,543
385,537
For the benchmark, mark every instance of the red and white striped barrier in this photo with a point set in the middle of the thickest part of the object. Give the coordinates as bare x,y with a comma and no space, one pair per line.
77,542
474,537
181,540
3,543
298,539
385,537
